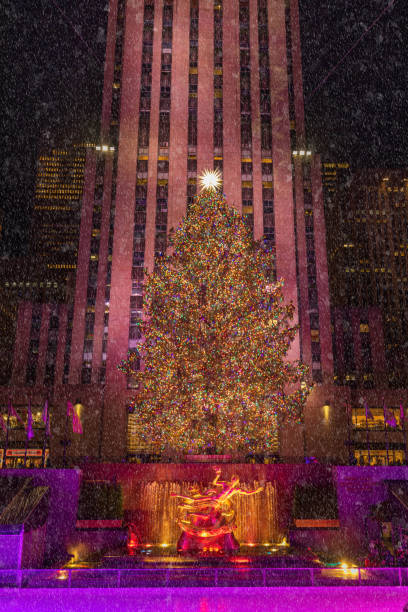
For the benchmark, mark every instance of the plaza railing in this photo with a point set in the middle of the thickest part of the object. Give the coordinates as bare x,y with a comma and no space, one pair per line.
203,577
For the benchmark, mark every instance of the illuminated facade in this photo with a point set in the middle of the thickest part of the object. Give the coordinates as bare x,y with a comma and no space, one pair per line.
57,211
189,85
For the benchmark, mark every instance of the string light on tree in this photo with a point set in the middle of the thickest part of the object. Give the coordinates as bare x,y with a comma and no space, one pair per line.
216,333
210,180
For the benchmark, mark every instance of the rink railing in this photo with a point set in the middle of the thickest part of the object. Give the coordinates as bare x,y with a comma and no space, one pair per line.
242,576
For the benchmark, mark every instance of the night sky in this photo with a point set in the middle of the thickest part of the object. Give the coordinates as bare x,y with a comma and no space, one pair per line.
52,72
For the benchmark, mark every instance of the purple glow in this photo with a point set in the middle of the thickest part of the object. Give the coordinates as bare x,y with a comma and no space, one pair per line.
282,599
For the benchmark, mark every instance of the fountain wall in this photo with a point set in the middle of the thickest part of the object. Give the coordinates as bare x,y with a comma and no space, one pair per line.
262,518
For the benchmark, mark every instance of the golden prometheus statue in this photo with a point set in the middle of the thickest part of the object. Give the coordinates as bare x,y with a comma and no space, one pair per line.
206,517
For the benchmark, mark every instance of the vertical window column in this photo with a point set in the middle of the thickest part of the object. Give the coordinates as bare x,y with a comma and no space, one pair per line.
205,111
256,122
82,278
62,335
31,371
322,279
192,103
246,115
218,87
311,274
231,95
118,286
162,168
117,74
153,151
52,343
284,213
139,229
68,344
291,92
93,271
22,343
178,147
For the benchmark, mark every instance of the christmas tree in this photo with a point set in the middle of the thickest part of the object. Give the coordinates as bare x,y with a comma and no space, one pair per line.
215,334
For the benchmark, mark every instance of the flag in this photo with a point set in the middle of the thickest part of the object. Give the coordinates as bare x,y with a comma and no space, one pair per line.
70,409
402,415
46,418
44,415
389,417
76,421
76,424
13,413
368,413
29,430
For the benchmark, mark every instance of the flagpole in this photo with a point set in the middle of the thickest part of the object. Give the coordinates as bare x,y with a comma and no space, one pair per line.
367,434
348,410
7,434
26,440
386,434
46,429
404,430
64,456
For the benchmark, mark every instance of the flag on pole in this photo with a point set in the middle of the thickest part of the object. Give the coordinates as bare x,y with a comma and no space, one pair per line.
70,409
76,424
44,415
13,413
76,421
46,418
368,413
389,417
29,430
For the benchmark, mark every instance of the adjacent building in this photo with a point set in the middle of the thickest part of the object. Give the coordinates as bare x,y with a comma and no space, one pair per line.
367,250
56,213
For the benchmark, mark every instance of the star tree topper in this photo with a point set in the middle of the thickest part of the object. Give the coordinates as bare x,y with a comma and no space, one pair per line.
210,180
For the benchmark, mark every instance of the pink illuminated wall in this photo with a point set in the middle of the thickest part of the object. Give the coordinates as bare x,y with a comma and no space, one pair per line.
125,195
154,139
109,70
78,333
205,109
100,305
178,115
321,267
282,160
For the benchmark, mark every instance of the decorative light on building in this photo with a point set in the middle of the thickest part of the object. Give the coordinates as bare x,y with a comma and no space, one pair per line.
104,148
301,153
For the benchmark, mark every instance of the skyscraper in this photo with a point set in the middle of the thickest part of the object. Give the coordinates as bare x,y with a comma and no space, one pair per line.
368,255
191,85
57,211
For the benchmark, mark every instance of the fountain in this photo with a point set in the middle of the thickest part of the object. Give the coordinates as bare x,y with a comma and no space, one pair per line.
206,516
159,515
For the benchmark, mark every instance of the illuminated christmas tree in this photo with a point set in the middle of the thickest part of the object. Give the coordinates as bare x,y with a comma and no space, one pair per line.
215,334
